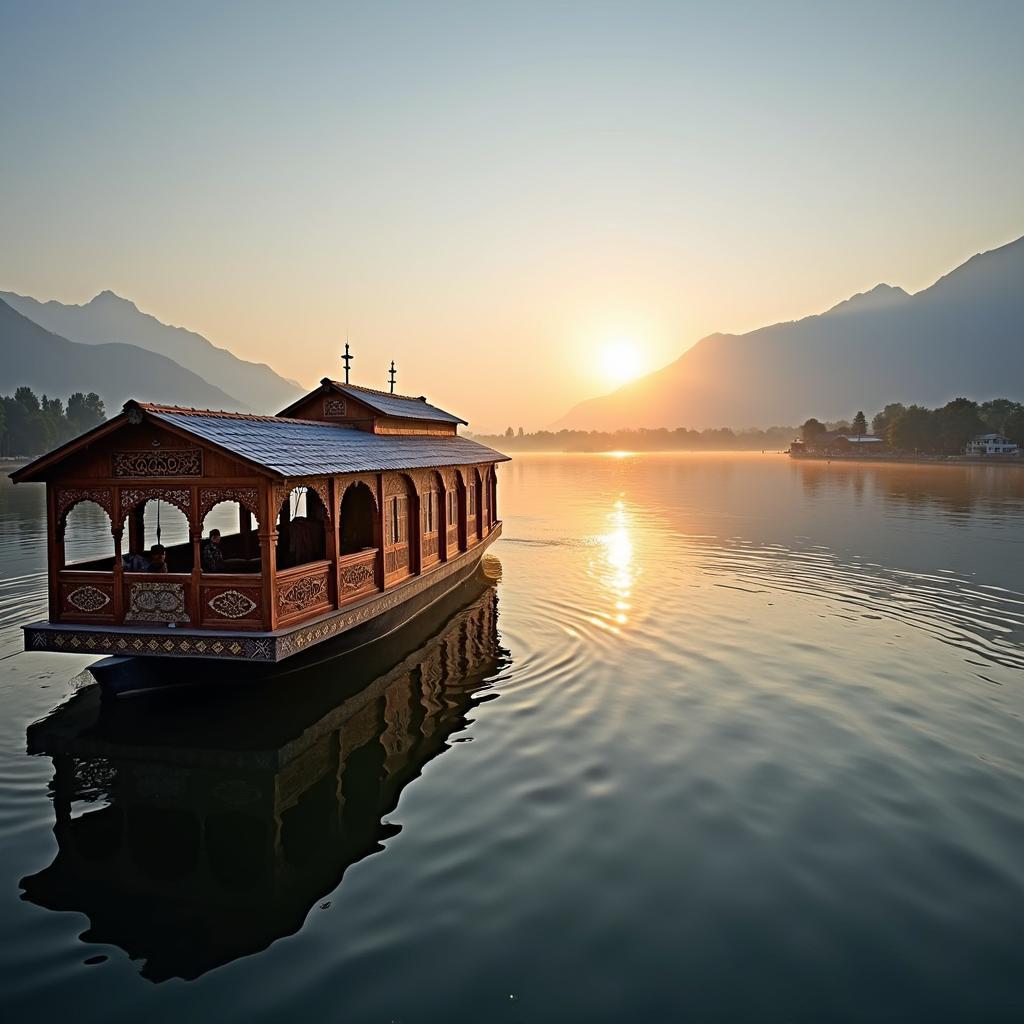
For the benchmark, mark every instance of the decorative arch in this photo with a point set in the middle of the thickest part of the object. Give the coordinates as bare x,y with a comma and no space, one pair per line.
80,540
462,511
211,497
401,519
369,482
318,485
433,530
179,497
178,530
359,519
69,497
302,539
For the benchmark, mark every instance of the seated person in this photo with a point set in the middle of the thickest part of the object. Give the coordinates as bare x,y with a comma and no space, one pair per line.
212,556
158,559
134,562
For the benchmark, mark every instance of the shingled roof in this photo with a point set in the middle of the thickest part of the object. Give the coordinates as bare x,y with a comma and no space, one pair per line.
399,406
308,448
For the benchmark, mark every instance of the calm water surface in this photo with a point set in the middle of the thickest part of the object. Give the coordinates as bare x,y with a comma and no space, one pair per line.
731,738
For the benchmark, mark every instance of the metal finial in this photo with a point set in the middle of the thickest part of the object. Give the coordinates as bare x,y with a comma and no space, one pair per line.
391,376
346,359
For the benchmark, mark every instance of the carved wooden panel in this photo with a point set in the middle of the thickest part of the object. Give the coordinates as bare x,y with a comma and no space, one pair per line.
180,497
156,602
396,558
302,593
232,603
357,575
87,599
430,545
247,497
395,483
159,462
68,497
335,408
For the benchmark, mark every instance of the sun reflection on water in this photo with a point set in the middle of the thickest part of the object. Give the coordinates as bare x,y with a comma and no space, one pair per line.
617,571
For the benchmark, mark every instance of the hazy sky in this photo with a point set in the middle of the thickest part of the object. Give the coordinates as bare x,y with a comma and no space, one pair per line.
491,194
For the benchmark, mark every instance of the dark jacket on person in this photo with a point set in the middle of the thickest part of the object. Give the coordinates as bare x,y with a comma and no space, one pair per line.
212,557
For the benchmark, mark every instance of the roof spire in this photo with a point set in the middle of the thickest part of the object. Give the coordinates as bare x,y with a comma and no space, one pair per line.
391,376
346,358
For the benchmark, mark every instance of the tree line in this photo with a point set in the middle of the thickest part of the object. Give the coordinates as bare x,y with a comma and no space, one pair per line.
644,440
30,425
942,431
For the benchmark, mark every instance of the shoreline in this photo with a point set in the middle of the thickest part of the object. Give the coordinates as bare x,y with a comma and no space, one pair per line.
919,460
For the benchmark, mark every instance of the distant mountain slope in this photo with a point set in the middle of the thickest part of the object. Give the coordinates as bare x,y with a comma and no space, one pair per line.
110,318
962,336
33,356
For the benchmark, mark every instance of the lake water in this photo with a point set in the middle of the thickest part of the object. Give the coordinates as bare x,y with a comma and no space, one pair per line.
720,737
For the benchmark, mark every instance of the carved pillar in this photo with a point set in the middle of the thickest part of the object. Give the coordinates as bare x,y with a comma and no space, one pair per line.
268,554
415,519
118,532
331,542
55,552
381,524
137,529
245,531
195,536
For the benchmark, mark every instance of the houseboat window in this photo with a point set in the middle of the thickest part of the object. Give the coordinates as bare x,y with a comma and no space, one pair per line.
450,501
357,520
156,522
428,512
301,529
396,523
229,541
88,542
472,499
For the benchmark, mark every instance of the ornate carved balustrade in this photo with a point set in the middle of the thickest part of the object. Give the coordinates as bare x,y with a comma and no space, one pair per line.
357,575
157,599
396,559
229,601
86,596
303,591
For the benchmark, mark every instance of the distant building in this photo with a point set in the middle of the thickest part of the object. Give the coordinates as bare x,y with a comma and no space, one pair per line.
834,443
991,444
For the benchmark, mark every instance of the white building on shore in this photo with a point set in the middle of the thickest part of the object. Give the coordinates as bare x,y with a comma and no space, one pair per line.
991,444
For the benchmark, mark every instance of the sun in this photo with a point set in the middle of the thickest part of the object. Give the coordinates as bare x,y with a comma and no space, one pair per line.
620,360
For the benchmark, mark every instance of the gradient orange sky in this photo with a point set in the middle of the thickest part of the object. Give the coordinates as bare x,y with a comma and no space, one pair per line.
490,195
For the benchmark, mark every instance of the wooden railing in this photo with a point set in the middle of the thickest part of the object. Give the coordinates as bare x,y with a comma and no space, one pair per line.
357,575
397,559
231,601
303,591
157,599
84,596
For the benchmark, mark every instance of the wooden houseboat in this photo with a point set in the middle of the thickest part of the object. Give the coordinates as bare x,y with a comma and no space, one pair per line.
356,509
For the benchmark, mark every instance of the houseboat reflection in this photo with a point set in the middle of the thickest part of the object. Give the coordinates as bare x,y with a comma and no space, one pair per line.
193,833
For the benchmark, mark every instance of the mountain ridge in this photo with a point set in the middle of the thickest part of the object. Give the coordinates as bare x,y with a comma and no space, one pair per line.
962,335
50,364
110,318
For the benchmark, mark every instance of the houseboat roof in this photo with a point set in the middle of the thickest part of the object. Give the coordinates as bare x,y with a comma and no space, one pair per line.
399,406
289,447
